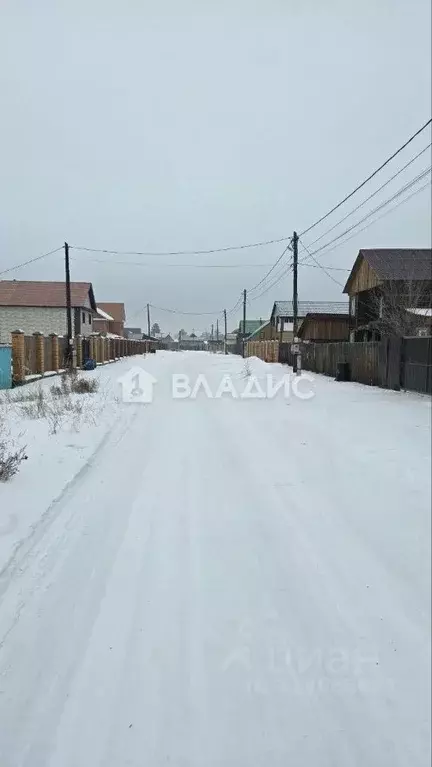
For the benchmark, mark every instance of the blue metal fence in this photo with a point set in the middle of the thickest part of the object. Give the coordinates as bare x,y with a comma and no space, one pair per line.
5,367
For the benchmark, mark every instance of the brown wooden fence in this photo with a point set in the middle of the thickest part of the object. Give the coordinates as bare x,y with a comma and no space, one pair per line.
393,363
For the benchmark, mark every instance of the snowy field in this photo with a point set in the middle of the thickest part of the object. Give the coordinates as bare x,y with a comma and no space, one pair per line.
218,582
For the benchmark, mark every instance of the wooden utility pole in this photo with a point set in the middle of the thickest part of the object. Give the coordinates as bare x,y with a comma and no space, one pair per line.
244,321
296,360
148,320
69,350
212,332
225,332
217,331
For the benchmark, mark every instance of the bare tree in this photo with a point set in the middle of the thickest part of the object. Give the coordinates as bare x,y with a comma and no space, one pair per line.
396,305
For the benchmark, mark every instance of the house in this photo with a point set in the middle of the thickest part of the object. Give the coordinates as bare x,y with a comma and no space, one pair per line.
118,314
41,307
282,316
324,327
133,333
249,327
101,321
384,286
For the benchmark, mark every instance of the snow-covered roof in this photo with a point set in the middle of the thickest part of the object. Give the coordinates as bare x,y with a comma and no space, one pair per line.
285,308
104,315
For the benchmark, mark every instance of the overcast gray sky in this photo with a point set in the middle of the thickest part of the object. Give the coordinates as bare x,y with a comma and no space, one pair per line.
152,125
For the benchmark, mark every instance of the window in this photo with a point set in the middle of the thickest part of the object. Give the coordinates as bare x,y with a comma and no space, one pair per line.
83,318
89,319
353,306
381,306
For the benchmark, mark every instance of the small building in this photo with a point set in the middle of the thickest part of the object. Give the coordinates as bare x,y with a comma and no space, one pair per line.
101,321
282,316
250,326
41,307
384,287
118,315
135,334
324,327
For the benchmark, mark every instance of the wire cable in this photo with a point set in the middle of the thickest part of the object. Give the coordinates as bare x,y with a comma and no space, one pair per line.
379,207
330,276
31,261
383,215
354,210
369,178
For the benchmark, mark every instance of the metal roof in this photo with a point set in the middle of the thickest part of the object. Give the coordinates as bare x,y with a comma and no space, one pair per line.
285,308
396,263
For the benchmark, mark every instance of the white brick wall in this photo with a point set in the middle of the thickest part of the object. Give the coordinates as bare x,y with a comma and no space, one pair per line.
32,319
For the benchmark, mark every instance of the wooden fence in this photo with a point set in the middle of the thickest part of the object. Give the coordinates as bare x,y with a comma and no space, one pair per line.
37,355
265,350
393,363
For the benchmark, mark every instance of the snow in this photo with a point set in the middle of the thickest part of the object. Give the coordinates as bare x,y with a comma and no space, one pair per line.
220,581
104,315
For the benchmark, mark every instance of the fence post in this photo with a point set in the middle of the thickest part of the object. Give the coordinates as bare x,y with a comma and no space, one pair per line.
18,357
55,351
402,361
39,342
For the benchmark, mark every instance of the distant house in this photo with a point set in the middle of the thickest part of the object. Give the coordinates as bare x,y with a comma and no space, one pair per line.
282,316
135,334
250,326
385,288
117,312
41,307
324,327
101,321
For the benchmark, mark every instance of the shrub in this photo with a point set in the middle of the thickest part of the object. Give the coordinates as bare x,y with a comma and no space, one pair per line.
85,385
10,457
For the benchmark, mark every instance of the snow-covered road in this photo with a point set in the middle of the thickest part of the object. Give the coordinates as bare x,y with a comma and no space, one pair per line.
228,583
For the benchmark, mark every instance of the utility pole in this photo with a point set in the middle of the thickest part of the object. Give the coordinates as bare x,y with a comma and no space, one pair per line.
212,331
297,358
148,320
244,321
217,331
225,332
69,350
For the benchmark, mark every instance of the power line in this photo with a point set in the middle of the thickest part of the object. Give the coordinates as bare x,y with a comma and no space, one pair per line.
363,183
354,210
330,276
383,215
175,266
187,314
32,260
270,270
180,252
379,207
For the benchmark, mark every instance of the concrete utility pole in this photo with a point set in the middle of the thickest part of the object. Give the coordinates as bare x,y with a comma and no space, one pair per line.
69,350
148,319
225,332
297,358
244,321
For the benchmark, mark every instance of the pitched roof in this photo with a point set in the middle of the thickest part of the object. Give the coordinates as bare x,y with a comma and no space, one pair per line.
116,310
259,328
250,326
395,263
45,294
103,315
285,308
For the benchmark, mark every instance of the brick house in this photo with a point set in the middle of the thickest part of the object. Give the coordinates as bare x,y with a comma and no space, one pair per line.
117,313
41,306
101,321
